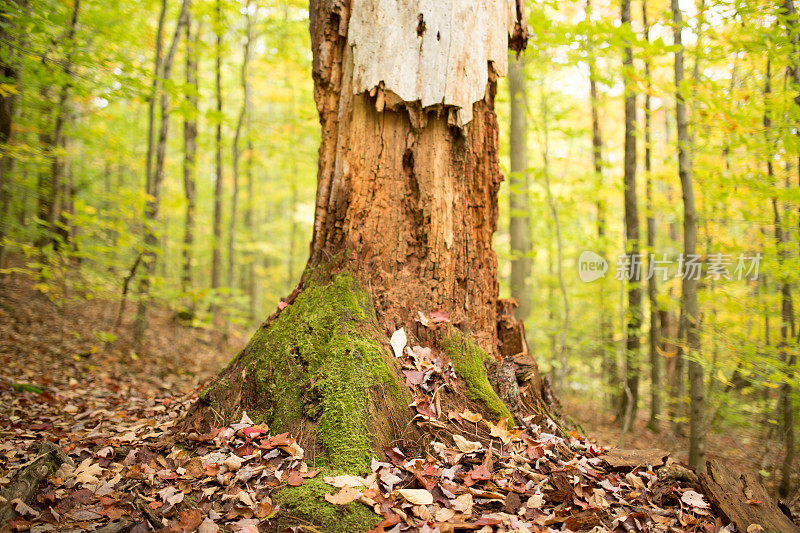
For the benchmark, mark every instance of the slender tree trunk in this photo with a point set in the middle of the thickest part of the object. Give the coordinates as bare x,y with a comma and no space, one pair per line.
784,488
216,261
652,282
691,313
240,123
634,325
250,274
519,206
561,354
785,408
606,330
153,202
190,152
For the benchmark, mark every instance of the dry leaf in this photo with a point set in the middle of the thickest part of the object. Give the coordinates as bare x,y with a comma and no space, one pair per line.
344,496
466,446
416,496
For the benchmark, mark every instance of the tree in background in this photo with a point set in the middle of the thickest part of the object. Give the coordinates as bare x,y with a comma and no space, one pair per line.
630,398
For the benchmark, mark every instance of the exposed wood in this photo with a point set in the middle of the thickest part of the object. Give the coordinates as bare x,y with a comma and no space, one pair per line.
26,483
743,500
431,52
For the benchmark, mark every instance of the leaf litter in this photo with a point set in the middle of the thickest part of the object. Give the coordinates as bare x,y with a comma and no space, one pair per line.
478,474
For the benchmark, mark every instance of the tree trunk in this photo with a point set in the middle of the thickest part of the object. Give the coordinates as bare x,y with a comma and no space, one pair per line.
787,330
652,282
216,260
560,353
250,273
630,399
190,151
691,313
156,178
519,206
405,211
236,152
784,489
605,331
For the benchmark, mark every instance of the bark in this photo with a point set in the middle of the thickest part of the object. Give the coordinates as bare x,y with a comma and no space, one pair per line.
190,151
156,178
405,211
652,282
691,314
216,260
519,205
632,343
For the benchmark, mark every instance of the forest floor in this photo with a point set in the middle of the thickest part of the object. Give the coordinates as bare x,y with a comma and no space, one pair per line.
65,379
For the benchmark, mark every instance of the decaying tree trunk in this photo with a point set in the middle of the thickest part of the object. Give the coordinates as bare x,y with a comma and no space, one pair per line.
406,207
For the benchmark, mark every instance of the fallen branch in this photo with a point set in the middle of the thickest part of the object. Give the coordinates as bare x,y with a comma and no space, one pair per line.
29,478
743,500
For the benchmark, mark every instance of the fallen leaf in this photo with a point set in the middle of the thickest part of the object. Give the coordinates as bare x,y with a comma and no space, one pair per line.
466,446
398,342
416,496
695,499
344,496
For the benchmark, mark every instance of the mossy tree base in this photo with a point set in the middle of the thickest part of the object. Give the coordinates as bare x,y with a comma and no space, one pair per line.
322,371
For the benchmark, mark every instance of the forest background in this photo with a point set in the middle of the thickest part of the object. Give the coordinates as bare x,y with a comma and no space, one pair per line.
189,181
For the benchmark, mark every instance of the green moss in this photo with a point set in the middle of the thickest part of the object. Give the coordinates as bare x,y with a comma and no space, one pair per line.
206,395
317,362
307,503
470,365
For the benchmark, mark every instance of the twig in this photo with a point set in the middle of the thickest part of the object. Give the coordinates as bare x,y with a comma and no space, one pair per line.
125,283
